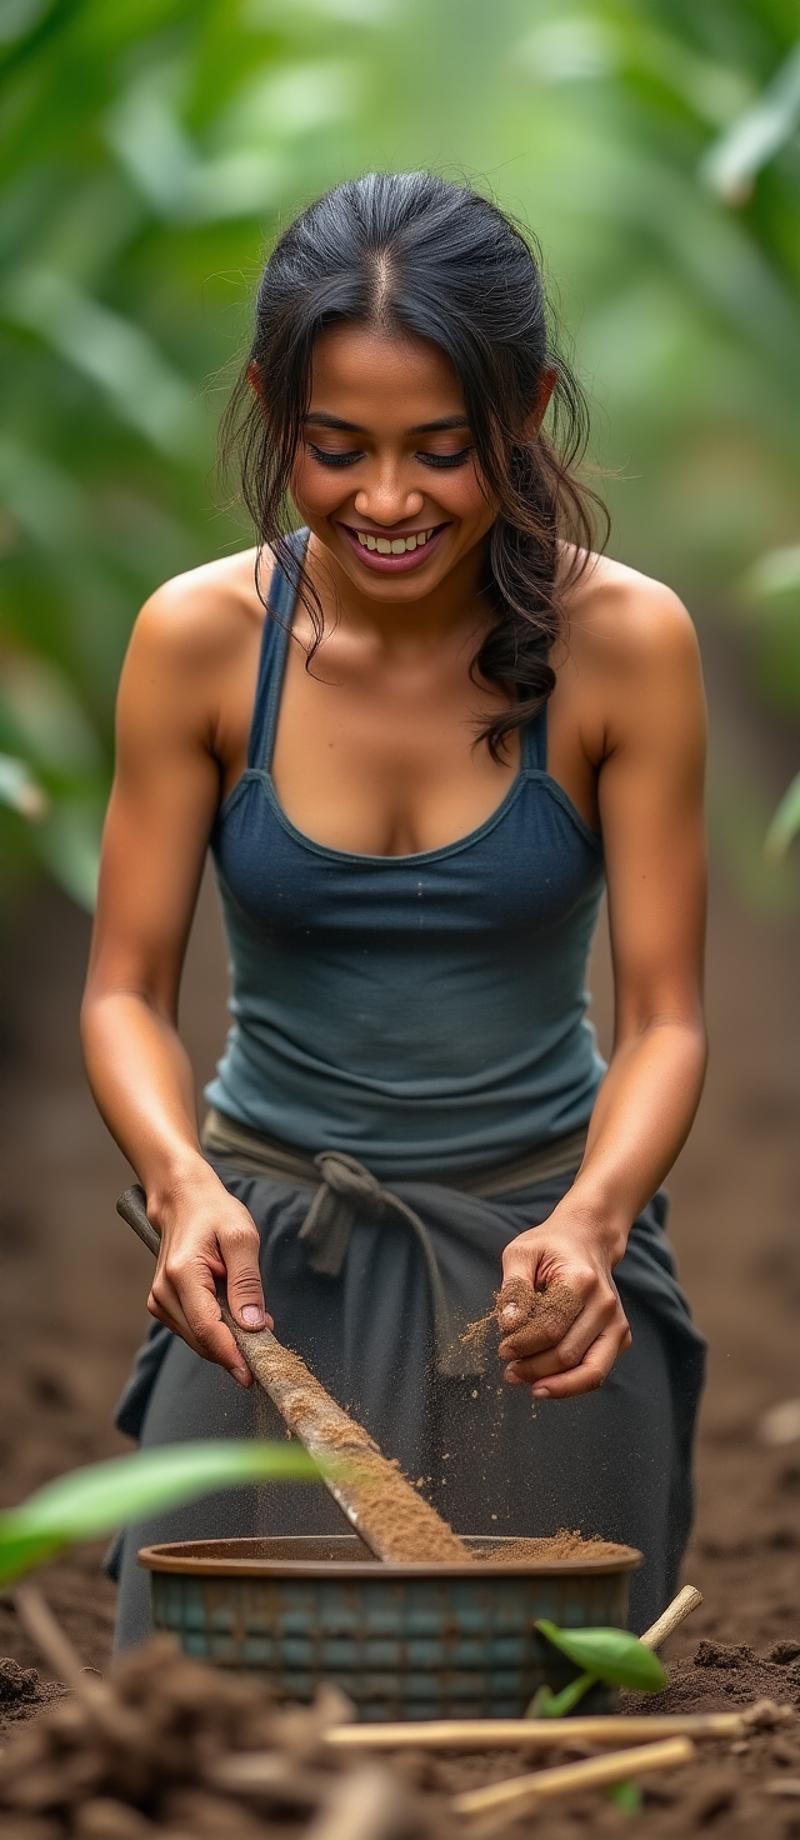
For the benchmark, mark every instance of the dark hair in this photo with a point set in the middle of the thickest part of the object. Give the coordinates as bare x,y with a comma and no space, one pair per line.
413,253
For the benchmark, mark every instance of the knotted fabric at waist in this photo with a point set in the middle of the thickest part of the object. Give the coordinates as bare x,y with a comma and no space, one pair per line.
344,1187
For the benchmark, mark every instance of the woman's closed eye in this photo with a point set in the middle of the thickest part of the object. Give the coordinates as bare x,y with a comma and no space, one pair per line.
327,459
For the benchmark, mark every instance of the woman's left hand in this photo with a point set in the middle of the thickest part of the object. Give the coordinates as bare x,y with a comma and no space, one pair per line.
569,1343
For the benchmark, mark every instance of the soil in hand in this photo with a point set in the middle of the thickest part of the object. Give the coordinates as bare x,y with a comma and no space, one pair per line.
516,1305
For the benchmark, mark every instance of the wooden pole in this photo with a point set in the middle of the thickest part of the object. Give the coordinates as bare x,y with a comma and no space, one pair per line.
533,1734
520,1792
670,1619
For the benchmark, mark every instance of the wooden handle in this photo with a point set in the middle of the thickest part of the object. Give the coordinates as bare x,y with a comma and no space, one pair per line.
132,1206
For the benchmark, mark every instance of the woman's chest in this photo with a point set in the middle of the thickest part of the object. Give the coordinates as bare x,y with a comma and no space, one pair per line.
380,762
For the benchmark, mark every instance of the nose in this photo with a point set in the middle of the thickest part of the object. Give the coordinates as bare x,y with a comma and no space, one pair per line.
387,501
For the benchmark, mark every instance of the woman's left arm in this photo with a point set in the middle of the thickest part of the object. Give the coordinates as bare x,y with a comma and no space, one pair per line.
651,794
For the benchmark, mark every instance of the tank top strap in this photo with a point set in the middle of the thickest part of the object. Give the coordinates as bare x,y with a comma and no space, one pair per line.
274,642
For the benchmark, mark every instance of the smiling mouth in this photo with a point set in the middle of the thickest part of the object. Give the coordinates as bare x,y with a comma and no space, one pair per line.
390,535
392,562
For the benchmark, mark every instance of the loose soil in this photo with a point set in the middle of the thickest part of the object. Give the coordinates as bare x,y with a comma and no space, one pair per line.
72,1287
517,1308
398,1523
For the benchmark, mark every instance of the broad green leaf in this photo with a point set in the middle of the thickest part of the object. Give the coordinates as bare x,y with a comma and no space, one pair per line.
732,162
612,1655
94,1501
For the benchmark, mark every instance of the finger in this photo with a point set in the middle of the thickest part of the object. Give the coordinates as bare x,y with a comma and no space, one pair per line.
243,1284
516,1297
551,1313
593,1321
591,1371
186,1294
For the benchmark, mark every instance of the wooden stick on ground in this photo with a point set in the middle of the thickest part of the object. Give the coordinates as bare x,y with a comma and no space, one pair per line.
534,1734
521,1792
687,1600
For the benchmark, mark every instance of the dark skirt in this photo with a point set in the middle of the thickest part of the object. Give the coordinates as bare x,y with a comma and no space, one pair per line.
616,1462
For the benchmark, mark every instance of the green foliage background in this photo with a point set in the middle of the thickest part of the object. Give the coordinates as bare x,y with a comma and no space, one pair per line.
150,150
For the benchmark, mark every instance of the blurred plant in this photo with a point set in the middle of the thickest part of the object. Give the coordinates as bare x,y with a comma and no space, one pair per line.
150,154
94,1501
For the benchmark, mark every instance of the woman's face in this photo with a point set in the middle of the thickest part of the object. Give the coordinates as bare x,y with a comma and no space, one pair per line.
384,475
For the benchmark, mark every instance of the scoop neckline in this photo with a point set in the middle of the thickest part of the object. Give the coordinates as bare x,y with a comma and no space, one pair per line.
365,856
526,771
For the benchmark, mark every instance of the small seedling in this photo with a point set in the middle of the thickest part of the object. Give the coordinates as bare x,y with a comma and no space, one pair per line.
610,1655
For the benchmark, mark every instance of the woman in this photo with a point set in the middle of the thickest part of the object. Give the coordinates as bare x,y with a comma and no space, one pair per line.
411,1103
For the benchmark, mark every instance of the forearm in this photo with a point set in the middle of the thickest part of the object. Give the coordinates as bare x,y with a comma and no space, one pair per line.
142,1082
642,1116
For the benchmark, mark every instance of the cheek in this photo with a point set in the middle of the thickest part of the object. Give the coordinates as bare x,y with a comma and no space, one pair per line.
314,487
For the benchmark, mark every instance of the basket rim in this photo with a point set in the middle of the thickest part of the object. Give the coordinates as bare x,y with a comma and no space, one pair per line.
202,1558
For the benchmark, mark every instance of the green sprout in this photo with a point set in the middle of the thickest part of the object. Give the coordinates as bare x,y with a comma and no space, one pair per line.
610,1655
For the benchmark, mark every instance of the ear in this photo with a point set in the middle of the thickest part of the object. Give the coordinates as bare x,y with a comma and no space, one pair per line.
533,420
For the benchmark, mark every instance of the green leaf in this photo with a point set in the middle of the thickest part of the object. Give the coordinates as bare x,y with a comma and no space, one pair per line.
549,1705
20,790
96,1500
626,1795
612,1655
785,823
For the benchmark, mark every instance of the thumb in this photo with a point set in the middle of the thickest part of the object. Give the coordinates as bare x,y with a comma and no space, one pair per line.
245,1295
516,1299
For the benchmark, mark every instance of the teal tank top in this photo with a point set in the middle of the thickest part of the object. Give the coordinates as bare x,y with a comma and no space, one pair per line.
424,1013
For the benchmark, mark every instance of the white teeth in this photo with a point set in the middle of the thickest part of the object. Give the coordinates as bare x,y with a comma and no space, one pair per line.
399,546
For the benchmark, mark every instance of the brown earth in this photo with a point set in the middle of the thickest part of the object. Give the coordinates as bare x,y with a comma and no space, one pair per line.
73,1286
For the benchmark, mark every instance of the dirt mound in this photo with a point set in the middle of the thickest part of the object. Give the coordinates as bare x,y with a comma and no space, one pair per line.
23,1693
174,1748
568,1543
151,1751
727,1675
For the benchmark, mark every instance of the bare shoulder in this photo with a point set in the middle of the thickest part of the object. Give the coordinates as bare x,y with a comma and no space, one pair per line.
631,658
199,619
622,619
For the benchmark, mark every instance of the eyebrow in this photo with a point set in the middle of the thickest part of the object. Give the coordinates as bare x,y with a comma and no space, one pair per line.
335,421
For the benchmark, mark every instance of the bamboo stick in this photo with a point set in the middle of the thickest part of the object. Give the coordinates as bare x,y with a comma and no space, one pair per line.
519,1792
534,1734
687,1600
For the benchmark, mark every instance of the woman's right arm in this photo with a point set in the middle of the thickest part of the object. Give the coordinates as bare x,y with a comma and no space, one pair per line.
160,812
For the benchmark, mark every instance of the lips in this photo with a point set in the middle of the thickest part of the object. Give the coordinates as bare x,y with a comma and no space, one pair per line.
394,564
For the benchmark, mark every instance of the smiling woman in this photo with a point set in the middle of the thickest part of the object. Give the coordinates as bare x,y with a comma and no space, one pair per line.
411,1102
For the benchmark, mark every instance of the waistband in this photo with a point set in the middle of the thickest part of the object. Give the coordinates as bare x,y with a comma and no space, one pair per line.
259,1155
345,1187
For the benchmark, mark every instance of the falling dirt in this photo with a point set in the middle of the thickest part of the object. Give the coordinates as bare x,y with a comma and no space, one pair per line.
395,1520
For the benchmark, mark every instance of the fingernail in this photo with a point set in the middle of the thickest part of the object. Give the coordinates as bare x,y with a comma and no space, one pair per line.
540,1392
252,1317
240,1375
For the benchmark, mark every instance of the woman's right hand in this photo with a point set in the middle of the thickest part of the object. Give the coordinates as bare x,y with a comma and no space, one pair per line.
206,1234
